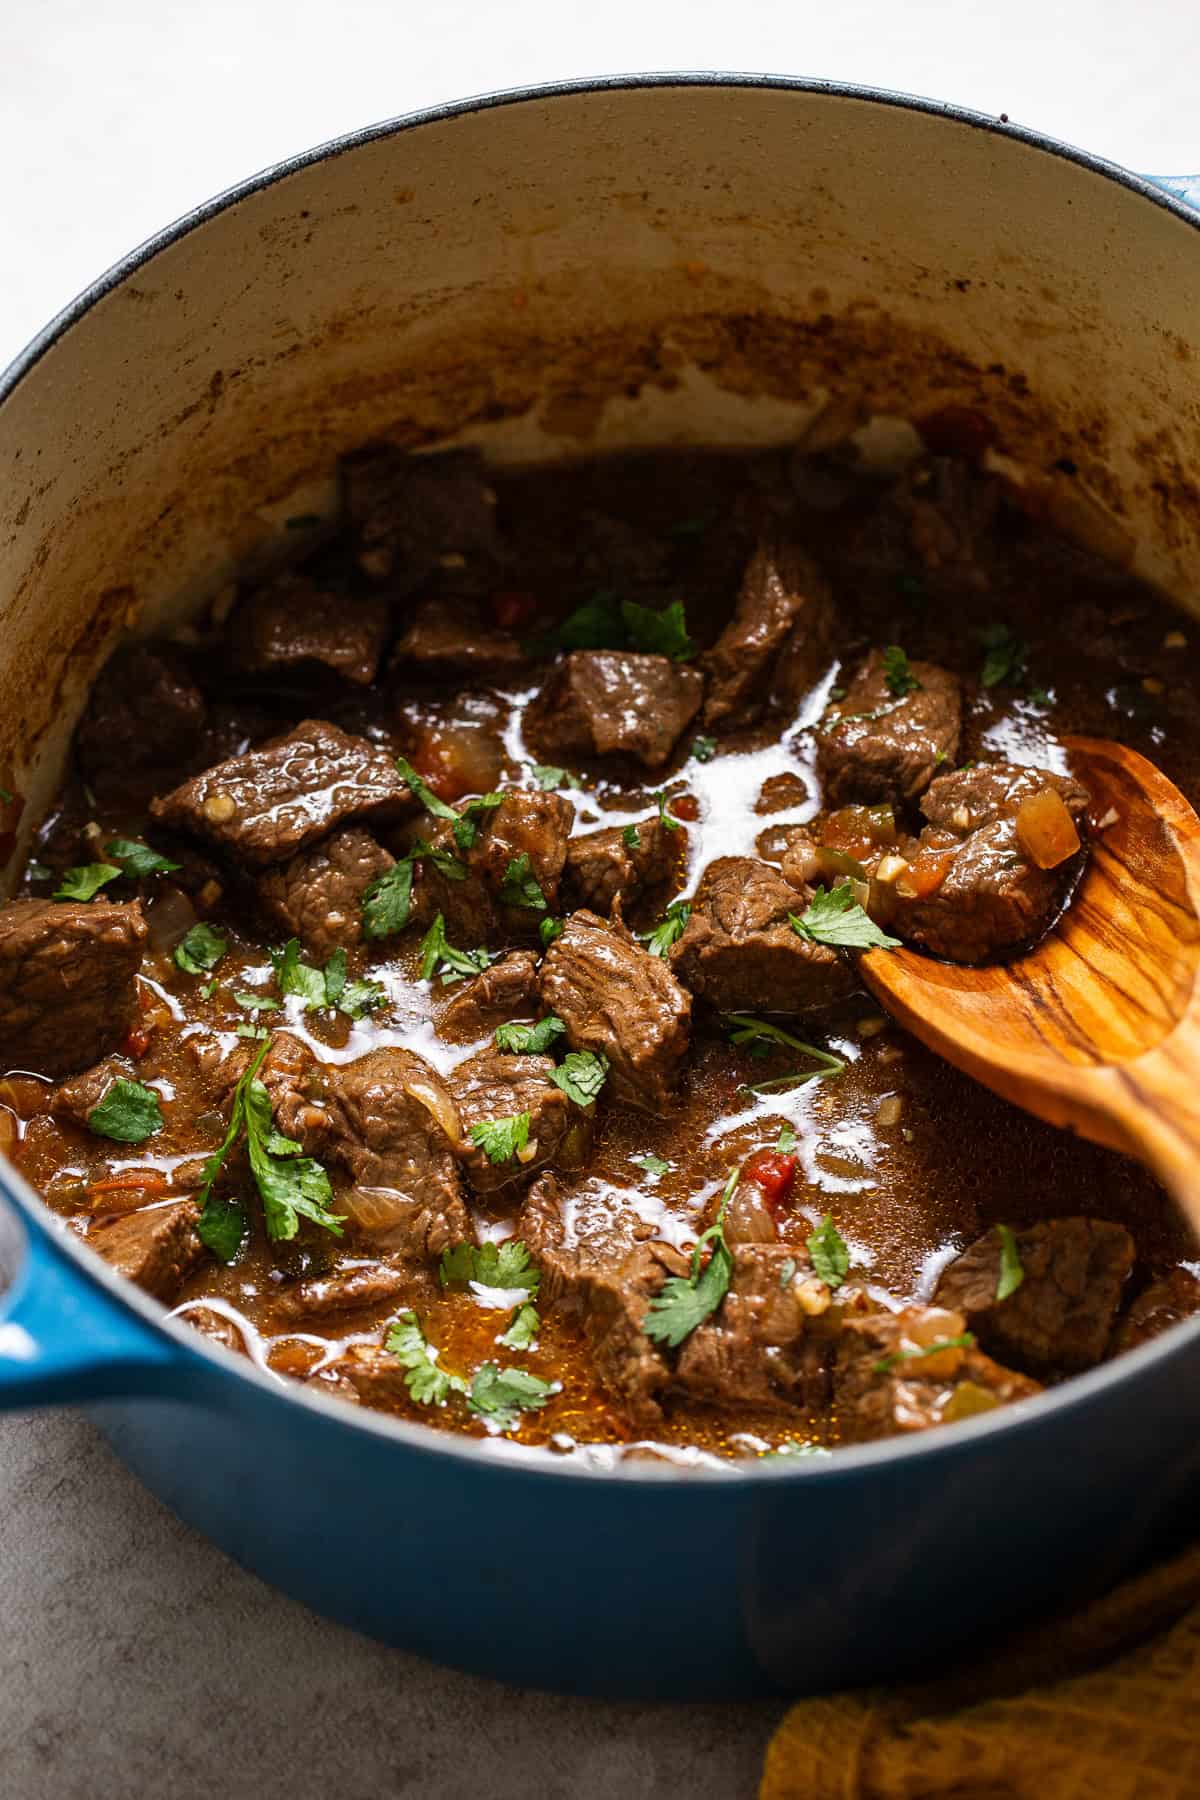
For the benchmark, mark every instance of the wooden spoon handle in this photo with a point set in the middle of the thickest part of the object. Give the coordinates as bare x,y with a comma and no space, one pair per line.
1155,1100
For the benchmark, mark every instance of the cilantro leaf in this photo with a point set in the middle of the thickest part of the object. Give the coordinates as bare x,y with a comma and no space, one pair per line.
387,901
505,1265
292,1186
836,918
84,882
549,777
830,1257
501,1395
760,1036
334,975
522,1328
247,1030
298,978
439,955
631,837
445,864
897,672
653,1165
685,1303
669,929
501,1139
665,818
703,749
787,1140
658,633
254,1002
1005,656
548,930
136,860
200,950
596,624
222,1222
520,886
128,1112
1012,1271
466,825
423,792
426,1380
964,1341
581,1075
529,1040
787,1271
361,997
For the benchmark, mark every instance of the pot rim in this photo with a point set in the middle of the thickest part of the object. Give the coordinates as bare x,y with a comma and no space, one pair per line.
1013,1421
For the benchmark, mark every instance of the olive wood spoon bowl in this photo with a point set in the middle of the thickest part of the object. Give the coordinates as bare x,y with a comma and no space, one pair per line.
1098,1027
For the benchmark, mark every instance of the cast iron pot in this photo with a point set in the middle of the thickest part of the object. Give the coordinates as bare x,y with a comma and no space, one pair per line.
667,259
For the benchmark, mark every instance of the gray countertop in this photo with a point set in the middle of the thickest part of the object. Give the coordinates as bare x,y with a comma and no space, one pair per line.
136,1660
139,1661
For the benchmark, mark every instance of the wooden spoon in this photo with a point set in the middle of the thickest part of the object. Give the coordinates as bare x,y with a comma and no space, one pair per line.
1098,1027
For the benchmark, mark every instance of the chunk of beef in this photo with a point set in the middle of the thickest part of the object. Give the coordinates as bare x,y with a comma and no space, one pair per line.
264,806
78,1098
885,1379
508,990
739,951
1060,1317
1173,1297
951,511
494,1086
609,1291
877,745
157,1247
602,866
485,905
367,1284
144,712
619,1001
317,896
768,1344
296,1083
68,982
779,635
978,892
449,635
391,1123
295,625
606,702
412,515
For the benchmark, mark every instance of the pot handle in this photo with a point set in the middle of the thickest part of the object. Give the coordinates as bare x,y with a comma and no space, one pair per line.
63,1338
1180,187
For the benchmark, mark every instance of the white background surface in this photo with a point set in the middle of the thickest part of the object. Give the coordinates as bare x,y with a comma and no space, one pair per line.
134,1659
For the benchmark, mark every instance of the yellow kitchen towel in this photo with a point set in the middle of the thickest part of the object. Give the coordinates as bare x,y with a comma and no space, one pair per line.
1101,1705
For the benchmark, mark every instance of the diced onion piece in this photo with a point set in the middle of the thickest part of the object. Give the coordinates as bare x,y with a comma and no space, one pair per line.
931,1325
891,867
889,1110
437,1102
169,917
748,1218
812,1296
375,1210
528,1150
1045,829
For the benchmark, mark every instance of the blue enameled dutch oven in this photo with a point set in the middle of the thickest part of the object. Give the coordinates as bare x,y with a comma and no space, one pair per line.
684,259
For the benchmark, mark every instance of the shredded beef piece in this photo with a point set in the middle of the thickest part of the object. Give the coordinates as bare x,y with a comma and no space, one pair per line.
144,712
68,982
317,896
370,1284
507,990
1061,1315
449,635
1165,1302
740,953
602,866
478,907
413,515
877,745
619,1001
157,1247
614,702
293,623
264,806
990,898
778,636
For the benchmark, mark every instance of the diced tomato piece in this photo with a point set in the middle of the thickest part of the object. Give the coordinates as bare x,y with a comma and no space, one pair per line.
137,1042
511,610
686,807
773,1172
150,1181
925,874
958,431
